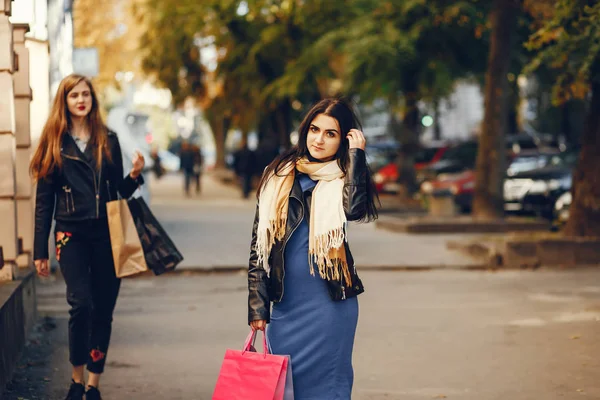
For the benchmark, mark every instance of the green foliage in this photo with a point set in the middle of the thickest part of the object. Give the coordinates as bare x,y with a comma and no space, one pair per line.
171,55
569,43
403,46
276,53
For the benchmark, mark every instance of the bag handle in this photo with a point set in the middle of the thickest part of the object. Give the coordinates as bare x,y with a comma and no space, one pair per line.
251,337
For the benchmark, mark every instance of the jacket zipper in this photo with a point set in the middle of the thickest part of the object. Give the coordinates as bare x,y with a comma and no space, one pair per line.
96,184
283,251
69,196
98,193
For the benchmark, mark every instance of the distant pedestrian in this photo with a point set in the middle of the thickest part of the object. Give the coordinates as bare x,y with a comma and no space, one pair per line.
78,167
187,158
198,164
245,166
306,197
157,167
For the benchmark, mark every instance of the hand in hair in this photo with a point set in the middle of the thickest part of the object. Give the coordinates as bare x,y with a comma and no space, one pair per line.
356,139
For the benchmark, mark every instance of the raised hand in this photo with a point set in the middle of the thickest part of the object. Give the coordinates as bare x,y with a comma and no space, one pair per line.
356,139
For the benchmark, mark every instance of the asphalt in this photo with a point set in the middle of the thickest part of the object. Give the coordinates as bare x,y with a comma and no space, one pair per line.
468,335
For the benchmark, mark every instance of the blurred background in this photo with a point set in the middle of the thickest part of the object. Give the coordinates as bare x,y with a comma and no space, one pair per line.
222,73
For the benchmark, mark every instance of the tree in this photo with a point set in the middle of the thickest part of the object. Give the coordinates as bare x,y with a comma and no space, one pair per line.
406,52
109,27
570,44
257,42
488,200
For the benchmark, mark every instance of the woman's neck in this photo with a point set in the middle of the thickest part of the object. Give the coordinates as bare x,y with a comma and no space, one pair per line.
79,128
312,159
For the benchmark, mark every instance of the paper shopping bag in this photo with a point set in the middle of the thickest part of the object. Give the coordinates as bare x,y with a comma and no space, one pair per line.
248,375
128,254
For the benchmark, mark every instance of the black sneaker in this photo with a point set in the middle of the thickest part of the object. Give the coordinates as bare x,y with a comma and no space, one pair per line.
92,394
76,391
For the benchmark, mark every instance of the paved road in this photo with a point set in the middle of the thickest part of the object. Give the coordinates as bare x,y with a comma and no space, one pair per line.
213,232
517,335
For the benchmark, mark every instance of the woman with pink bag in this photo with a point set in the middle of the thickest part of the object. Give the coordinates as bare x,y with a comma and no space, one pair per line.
300,261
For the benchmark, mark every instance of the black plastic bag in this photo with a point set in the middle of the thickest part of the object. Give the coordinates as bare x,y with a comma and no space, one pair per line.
159,250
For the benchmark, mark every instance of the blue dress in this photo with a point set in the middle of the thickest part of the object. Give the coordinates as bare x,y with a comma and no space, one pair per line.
316,332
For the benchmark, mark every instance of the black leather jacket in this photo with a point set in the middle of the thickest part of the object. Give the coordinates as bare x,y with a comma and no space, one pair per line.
263,289
78,191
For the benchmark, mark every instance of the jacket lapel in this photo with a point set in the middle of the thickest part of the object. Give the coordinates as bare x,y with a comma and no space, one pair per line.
69,147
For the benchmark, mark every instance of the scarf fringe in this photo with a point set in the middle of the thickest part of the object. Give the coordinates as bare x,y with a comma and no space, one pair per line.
266,239
330,268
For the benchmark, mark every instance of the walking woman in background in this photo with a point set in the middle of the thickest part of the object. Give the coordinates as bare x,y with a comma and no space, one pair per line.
78,167
300,259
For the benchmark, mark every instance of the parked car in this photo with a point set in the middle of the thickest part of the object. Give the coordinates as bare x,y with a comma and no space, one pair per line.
536,192
386,177
381,154
530,160
462,185
454,160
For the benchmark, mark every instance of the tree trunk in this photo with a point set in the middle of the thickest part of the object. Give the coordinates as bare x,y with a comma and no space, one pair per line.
275,127
410,145
584,217
488,201
219,124
282,122
437,129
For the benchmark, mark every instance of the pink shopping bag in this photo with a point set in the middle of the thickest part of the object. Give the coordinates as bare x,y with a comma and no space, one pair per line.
247,375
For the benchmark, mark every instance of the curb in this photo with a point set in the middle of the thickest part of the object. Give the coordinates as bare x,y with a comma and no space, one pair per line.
18,311
243,270
426,225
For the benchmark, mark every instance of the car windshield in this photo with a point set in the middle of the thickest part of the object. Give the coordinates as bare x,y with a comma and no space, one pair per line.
377,157
527,163
566,159
464,152
426,155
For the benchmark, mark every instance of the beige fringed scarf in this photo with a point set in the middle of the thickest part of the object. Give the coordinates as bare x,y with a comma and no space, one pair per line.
327,227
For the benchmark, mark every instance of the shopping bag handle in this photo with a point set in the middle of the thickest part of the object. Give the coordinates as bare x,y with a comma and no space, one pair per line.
250,339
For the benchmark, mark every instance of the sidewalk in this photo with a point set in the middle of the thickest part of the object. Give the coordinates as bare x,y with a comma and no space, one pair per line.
213,229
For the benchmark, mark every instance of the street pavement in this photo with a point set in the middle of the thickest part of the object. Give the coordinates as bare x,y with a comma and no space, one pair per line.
441,334
212,230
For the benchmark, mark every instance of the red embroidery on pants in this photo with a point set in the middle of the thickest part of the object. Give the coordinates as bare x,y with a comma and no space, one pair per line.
61,240
97,355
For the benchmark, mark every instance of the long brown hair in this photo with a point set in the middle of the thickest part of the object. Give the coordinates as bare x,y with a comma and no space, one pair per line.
47,156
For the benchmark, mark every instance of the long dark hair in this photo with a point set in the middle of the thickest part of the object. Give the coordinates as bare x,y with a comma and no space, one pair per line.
342,111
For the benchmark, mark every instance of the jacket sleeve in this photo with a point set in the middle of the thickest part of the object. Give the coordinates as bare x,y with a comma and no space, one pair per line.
258,295
125,185
45,199
355,186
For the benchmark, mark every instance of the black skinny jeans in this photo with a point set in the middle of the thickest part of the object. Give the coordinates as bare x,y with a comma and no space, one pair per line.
85,256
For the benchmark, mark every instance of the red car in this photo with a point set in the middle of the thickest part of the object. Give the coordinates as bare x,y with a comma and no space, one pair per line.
461,185
386,178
